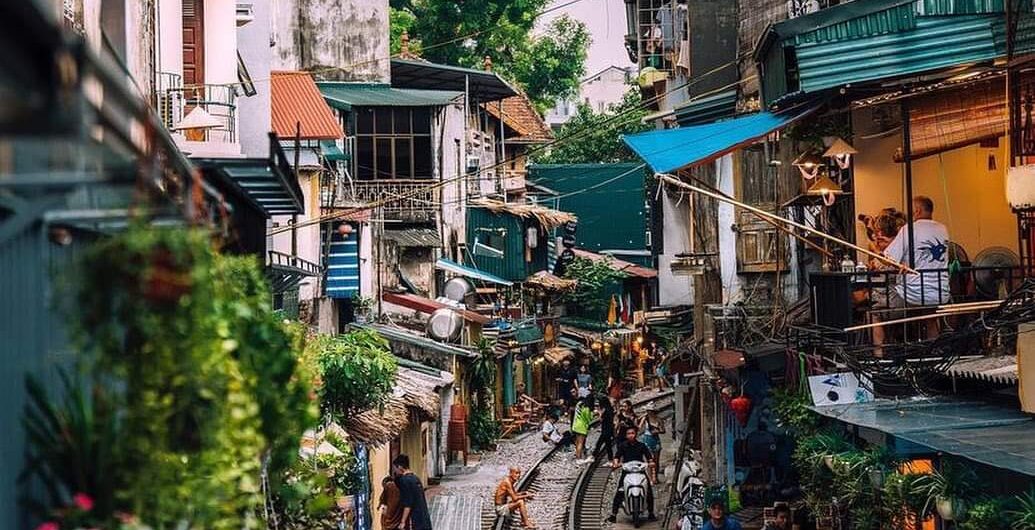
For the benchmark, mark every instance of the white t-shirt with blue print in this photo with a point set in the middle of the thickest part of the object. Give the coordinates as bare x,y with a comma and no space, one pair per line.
931,251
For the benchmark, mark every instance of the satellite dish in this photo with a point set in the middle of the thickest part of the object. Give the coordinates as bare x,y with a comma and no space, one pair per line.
457,289
995,284
445,324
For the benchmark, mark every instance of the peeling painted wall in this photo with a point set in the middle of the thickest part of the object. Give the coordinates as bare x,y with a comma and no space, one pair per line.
344,40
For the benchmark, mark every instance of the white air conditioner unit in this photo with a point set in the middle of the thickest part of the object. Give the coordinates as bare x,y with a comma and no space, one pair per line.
245,13
473,163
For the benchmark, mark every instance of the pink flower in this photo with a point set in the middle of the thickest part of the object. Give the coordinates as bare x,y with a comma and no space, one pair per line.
49,525
83,501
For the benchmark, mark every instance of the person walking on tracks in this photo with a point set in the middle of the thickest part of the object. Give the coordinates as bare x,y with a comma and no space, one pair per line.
508,500
415,515
631,450
580,426
606,441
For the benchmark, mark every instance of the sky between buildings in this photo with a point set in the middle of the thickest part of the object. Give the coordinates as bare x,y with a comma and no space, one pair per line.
605,20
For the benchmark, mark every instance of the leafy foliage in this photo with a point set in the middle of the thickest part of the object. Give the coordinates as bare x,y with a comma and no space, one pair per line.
74,445
597,136
192,373
483,429
1023,516
792,412
547,66
988,513
595,279
357,372
307,498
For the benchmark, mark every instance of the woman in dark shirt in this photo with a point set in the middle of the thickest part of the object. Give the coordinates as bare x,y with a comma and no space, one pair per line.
606,413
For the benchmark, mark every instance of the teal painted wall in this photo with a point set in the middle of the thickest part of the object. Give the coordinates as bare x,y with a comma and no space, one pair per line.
611,216
512,266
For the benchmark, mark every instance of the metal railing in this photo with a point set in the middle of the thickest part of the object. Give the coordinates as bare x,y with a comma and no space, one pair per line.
283,260
419,196
220,101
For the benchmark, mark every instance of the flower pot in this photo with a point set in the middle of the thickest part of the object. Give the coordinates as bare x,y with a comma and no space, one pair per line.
346,503
948,508
829,461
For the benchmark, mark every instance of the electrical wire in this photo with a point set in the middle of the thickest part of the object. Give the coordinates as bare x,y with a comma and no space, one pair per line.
330,69
609,122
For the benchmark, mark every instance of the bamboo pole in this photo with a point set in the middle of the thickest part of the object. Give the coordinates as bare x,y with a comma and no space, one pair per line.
748,207
936,314
773,223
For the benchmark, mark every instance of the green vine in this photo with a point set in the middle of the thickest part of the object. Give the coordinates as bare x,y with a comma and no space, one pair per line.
197,377
596,280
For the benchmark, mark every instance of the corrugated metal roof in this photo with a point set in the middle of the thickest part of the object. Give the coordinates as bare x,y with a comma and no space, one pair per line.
414,237
704,110
962,7
520,115
936,42
295,99
612,215
427,305
344,96
1001,369
482,85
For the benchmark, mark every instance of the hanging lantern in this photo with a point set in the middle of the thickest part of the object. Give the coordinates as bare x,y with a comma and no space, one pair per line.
741,407
344,229
841,151
809,164
825,187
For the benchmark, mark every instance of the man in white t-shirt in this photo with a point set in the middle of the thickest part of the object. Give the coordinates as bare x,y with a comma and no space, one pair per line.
931,253
551,433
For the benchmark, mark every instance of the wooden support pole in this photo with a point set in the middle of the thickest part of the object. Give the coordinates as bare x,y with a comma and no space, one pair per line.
763,213
936,314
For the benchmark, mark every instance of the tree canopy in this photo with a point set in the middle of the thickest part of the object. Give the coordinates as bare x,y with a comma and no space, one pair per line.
595,137
547,65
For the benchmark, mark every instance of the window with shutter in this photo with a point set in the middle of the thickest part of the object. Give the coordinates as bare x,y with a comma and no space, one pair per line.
193,42
760,246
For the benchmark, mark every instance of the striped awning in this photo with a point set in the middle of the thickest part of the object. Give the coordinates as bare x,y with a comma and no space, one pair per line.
343,265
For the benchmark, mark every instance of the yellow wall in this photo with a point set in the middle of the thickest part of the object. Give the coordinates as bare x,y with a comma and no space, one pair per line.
380,467
981,217
411,443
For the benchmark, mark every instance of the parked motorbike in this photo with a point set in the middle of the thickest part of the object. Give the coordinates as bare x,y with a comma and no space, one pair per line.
691,491
635,485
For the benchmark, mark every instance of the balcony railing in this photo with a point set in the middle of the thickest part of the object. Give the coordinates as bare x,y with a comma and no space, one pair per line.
220,101
848,306
414,199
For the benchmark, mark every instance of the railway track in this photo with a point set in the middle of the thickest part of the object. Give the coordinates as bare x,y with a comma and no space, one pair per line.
559,493
591,498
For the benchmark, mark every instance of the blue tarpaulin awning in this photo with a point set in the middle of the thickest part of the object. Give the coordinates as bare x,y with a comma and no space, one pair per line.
668,150
470,272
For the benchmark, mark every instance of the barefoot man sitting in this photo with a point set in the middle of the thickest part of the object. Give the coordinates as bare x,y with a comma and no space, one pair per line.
508,499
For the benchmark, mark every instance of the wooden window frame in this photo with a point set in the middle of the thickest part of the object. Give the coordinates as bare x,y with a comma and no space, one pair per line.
395,139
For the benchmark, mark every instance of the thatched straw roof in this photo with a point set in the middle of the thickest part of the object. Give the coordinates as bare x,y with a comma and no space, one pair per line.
548,218
415,397
548,281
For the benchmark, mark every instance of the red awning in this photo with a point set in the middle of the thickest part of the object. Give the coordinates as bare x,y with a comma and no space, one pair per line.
427,305
631,269
295,100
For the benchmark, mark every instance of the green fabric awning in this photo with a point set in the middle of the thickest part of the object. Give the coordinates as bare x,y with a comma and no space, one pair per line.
344,96
528,335
331,152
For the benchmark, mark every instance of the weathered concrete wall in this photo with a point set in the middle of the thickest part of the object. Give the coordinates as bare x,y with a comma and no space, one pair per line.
448,146
343,40
253,42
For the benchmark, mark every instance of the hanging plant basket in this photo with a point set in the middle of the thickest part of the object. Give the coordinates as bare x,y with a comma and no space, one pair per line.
949,508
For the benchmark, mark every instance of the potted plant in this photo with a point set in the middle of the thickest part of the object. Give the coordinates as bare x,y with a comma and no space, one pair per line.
948,488
362,306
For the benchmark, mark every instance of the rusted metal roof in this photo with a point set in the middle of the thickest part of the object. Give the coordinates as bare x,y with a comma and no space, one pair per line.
427,305
631,269
521,116
1000,369
295,99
